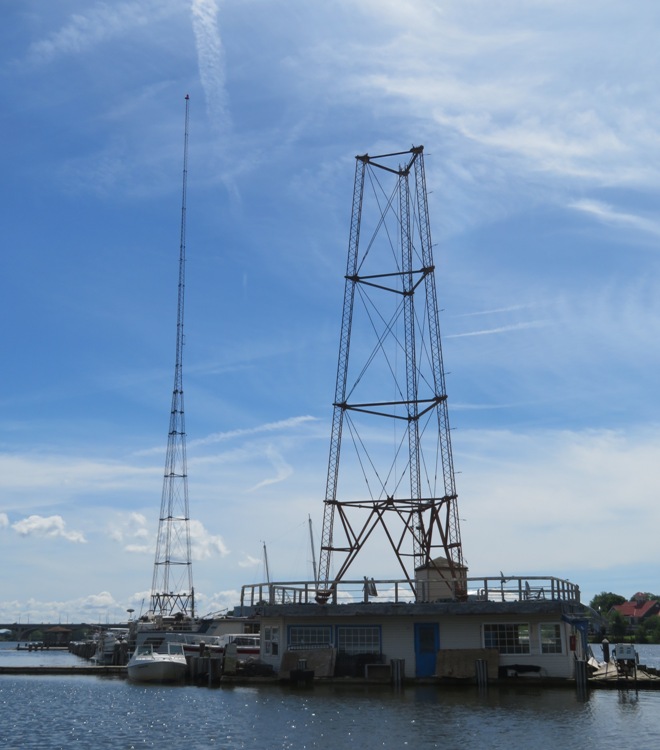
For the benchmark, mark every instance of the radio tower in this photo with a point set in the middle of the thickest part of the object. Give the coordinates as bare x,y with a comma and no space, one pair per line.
172,592
397,480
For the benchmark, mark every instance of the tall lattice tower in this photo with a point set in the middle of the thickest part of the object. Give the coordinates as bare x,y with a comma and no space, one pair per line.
397,479
172,592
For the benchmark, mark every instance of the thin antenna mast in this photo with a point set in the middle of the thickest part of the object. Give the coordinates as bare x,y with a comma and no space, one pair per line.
172,591
311,543
266,568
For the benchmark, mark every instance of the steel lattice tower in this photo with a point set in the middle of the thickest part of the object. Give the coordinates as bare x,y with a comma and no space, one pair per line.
172,590
390,399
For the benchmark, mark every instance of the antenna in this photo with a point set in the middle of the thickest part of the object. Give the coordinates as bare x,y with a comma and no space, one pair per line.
172,590
266,568
311,543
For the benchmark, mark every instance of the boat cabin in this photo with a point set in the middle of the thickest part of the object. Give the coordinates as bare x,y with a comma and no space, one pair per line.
512,627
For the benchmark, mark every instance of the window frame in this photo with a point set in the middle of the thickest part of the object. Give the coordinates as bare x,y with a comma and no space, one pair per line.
360,646
555,645
509,638
301,644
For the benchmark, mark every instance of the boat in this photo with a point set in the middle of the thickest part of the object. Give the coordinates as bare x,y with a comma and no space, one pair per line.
111,646
197,644
147,665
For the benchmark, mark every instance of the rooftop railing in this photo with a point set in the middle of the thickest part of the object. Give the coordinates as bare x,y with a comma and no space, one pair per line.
494,589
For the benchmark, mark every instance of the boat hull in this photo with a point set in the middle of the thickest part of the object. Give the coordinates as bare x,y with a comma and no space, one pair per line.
157,670
147,665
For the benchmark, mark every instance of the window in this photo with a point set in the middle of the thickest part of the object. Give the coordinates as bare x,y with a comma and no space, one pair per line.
363,639
507,638
309,636
272,640
551,638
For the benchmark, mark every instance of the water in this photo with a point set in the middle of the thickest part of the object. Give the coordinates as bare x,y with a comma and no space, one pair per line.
11,657
94,712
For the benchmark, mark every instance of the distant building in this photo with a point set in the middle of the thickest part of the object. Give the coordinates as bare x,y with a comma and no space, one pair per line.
638,609
57,636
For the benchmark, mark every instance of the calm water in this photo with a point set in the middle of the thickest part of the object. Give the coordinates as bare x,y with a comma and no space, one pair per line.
94,712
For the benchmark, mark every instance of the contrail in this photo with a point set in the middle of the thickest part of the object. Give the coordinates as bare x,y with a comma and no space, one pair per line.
210,59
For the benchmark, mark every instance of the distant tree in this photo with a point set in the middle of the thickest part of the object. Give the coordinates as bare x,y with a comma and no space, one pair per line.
650,597
604,601
618,625
648,631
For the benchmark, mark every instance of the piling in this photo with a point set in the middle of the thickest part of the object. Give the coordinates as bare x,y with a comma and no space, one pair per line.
481,673
398,668
581,676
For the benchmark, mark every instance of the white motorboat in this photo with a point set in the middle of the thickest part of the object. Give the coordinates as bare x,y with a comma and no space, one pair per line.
147,665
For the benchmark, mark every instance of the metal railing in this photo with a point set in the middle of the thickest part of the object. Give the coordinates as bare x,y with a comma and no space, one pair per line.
493,589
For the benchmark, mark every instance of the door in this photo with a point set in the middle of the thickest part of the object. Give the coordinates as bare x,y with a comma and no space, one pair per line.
427,643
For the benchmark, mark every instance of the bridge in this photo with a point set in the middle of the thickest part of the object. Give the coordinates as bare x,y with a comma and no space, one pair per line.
22,631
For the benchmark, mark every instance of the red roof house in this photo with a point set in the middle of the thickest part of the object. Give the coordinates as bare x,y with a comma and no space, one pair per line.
638,608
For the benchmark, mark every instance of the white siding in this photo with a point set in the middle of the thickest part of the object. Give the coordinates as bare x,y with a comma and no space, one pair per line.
456,632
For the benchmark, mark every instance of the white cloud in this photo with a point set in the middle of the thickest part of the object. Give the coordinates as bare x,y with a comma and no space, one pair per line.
204,544
135,535
211,60
51,526
249,562
104,600
557,500
609,215
217,603
125,528
4,520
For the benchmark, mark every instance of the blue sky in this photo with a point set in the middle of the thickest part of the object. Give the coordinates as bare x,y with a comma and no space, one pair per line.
539,120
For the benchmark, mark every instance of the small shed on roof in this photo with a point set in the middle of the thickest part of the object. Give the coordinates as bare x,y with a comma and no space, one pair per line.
436,581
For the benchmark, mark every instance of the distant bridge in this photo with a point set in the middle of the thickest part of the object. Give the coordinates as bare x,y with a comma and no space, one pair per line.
23,630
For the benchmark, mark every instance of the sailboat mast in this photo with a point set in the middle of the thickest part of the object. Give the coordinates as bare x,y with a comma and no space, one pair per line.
172,590
266,569
311,542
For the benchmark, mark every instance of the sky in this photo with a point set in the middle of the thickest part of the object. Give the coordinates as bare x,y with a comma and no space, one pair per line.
539,120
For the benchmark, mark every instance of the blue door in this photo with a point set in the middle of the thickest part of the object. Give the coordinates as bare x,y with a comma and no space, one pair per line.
427,643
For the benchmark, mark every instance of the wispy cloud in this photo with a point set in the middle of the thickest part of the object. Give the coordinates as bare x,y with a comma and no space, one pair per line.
210,59
47,526
500,329
98,23
68,474
285,424
609,215
282,469
509,308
